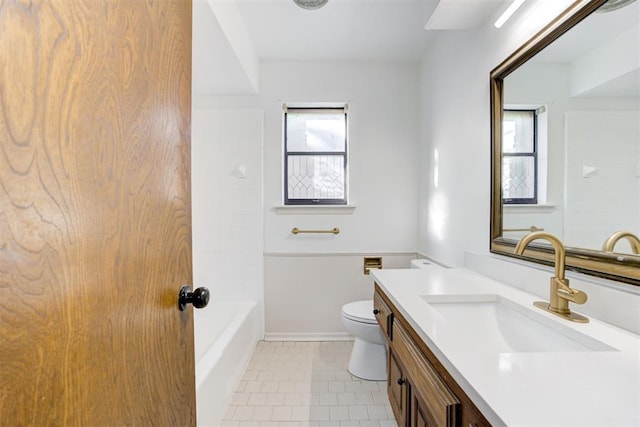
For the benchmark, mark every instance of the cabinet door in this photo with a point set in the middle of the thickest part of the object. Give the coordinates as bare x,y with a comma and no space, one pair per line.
442,405
418,414
397,390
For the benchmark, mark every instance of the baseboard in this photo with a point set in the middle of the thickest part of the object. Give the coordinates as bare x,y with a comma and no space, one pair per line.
308,336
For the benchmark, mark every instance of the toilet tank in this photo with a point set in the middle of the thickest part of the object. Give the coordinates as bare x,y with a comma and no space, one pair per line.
424,263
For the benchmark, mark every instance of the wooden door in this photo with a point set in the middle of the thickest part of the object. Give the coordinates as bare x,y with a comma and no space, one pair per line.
95,219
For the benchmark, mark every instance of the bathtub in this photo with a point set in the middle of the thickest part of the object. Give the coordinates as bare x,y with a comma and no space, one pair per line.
225,338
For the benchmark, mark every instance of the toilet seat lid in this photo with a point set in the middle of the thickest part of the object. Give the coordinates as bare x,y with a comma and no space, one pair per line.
359,311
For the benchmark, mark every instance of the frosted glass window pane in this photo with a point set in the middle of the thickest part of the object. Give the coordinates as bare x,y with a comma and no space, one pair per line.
315,177
517,132
308,132
518,177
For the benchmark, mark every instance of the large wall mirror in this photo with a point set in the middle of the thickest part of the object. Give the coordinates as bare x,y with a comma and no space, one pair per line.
565,124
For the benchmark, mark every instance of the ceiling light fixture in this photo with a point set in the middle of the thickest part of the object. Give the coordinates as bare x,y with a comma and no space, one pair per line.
507,13
310,4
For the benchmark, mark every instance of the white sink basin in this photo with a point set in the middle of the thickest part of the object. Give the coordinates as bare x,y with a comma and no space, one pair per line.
494,323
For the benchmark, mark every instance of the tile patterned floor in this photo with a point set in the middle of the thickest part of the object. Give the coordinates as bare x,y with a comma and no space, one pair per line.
306,384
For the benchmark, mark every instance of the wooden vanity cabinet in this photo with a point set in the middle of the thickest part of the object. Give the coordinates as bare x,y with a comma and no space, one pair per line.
421,391
430,400
397,389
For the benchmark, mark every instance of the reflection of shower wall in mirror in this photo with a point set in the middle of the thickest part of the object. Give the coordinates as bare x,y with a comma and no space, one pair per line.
607,199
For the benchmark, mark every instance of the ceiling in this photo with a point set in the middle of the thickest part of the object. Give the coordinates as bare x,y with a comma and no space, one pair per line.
596,30
231,37
354,30
603,34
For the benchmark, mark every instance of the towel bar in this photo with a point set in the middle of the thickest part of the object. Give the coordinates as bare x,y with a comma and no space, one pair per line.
335,230
531,229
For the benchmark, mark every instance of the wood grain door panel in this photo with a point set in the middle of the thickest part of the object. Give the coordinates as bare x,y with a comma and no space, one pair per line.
95,217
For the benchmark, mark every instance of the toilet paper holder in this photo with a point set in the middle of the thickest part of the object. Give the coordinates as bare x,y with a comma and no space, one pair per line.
371,263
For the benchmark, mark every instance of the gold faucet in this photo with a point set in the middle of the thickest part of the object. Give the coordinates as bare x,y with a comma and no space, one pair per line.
613,239
560,292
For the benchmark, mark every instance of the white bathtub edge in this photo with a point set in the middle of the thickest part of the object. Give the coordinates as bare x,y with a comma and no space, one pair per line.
219,371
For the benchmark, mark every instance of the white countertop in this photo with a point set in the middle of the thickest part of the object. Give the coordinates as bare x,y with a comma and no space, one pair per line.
571,388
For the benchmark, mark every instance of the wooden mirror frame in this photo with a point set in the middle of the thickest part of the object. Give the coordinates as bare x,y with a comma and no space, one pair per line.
619,267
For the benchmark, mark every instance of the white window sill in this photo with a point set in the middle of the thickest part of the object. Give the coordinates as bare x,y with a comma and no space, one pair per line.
523,209
315,210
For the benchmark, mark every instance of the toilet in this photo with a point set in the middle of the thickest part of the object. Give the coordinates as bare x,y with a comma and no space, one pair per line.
369,355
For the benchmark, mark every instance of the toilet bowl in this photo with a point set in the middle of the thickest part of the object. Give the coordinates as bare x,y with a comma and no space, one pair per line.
369,355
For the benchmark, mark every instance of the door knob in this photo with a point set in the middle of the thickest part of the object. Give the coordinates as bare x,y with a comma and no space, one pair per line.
376,311
401,381
199,298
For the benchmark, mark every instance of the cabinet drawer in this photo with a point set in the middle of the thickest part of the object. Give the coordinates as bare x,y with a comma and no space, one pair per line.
383,314
442,405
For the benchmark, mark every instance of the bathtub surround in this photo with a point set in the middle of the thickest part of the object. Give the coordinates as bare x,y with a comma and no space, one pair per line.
227,250
618,162
227,202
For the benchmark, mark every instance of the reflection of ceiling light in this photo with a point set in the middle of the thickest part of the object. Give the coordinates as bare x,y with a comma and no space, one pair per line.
612,5
310,4
507,13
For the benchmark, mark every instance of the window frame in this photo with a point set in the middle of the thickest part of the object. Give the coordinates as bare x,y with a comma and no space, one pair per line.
533,154
344,154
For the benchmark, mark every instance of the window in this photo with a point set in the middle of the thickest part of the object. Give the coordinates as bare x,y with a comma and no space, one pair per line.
519,157
315,156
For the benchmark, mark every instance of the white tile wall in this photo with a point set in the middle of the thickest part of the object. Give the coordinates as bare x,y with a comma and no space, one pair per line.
227,208
599,205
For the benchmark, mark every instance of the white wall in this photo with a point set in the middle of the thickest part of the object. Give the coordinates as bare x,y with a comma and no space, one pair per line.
309,277
383,140
305,293
454,214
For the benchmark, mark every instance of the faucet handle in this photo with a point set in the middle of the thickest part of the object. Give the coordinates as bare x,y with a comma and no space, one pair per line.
575,296
565,292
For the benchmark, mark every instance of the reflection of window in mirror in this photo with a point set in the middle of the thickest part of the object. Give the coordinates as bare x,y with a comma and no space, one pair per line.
524,169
